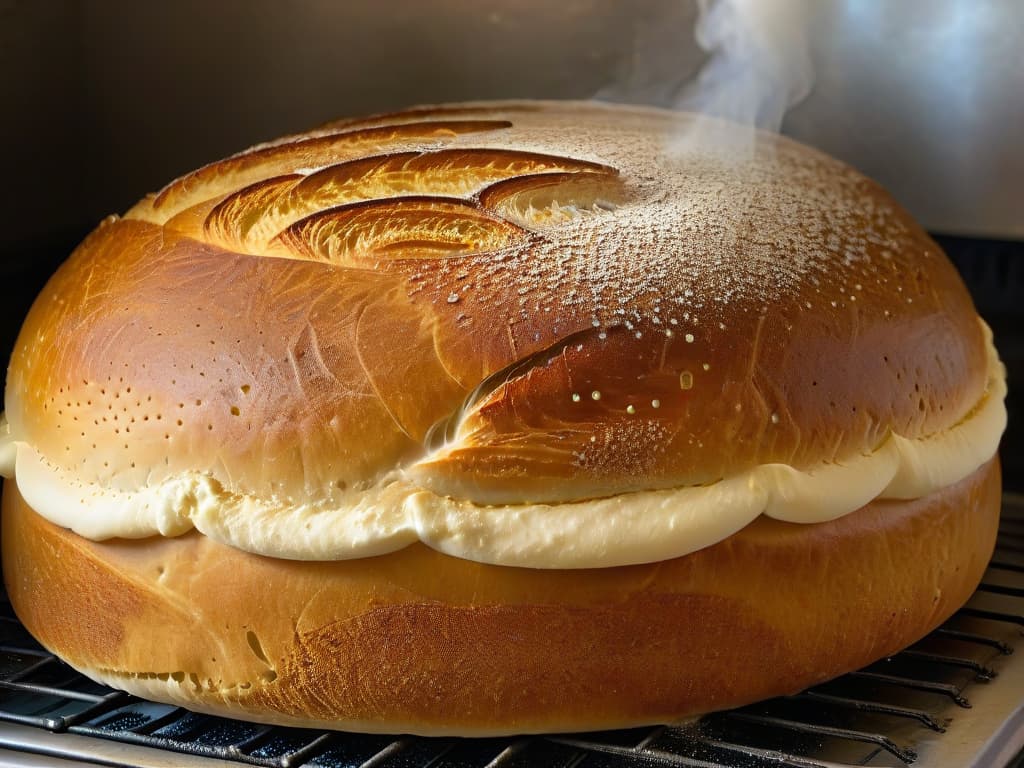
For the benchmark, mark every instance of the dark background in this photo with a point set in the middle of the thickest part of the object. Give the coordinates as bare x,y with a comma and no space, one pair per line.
101,102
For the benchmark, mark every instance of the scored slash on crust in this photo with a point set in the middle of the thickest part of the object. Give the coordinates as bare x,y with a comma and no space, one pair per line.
262,162
406,227
345,198
445,431
457,186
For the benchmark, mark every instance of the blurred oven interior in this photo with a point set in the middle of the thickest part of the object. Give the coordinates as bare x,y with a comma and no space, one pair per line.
103,102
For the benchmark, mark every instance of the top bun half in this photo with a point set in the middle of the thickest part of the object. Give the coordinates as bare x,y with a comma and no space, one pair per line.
502,304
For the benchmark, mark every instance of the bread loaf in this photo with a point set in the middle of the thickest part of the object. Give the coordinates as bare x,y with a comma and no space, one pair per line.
497,418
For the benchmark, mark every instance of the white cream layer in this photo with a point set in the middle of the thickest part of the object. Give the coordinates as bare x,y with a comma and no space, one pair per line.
626,529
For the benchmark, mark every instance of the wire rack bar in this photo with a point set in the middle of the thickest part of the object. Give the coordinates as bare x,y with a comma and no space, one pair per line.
19,650
980,613
702,746
979,669
37,721
391,750
170,745
902,753
661,756
1000,589
651,737
770,756
110,701
973,637
862,705
46,690
509,753
954,693
32,668
304,753
251,742
162,721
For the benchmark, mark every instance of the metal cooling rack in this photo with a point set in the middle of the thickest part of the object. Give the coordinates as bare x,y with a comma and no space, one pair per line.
956,698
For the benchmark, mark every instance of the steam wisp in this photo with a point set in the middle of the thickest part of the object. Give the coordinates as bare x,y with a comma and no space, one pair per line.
757,63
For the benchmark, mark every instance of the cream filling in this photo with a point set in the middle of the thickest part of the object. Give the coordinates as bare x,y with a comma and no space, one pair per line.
629,528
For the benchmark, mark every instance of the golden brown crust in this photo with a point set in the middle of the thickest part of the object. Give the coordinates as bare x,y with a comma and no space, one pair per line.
418,641
294,320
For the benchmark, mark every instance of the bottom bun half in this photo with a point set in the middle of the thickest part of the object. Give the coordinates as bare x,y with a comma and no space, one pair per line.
420,642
